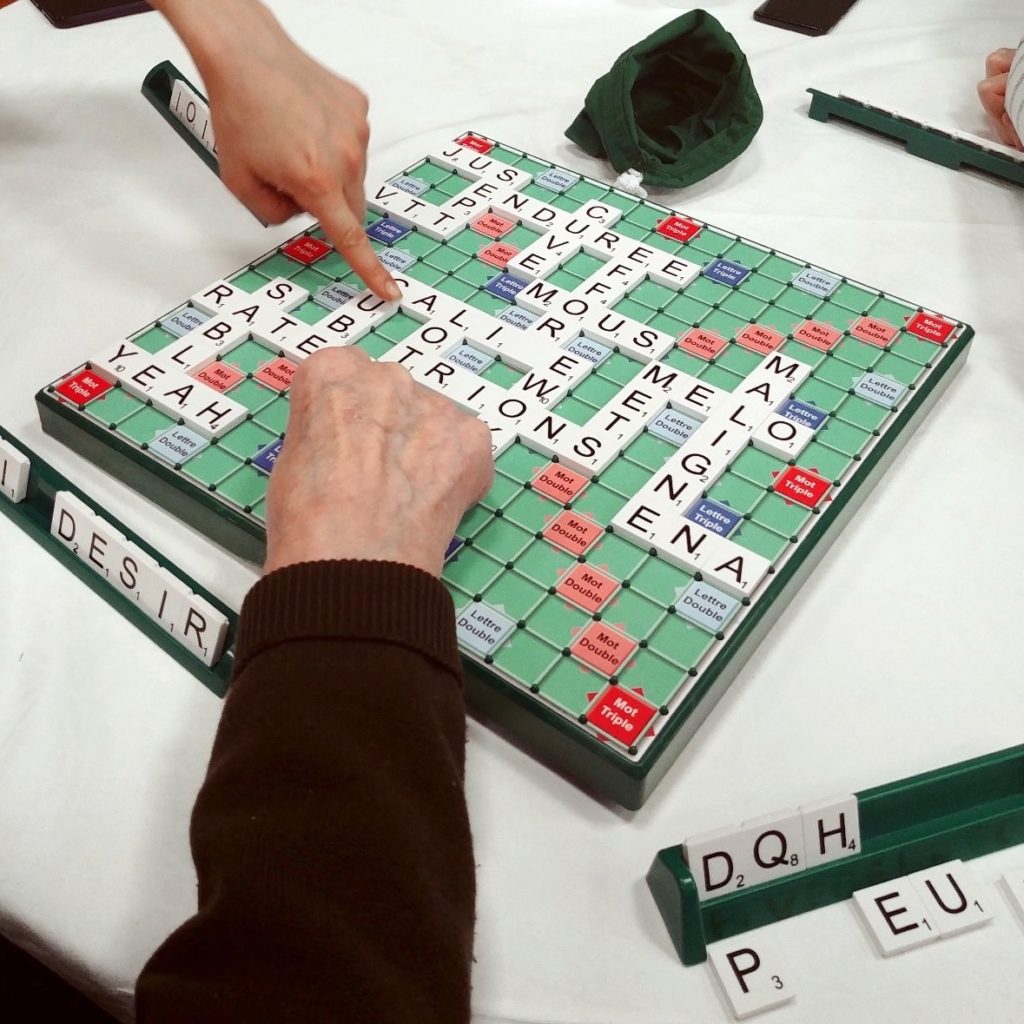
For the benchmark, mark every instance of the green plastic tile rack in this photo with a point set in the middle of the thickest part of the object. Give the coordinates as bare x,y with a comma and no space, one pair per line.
963,810
34,515
934,144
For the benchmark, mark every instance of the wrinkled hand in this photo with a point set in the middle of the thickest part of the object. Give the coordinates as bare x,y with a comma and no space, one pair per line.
291,136
992,93
374,466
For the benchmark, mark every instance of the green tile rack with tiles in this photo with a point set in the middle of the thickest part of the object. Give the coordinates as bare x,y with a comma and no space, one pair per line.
581,640
960,811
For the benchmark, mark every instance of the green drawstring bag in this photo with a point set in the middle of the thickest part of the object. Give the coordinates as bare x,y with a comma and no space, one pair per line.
675,108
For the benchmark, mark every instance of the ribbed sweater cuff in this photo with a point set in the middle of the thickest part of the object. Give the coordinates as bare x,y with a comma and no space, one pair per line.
349,600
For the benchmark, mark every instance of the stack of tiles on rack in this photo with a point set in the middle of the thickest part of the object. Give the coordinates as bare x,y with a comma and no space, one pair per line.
673,411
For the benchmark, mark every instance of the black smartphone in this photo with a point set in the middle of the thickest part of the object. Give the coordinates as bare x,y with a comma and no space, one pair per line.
69,13
812,17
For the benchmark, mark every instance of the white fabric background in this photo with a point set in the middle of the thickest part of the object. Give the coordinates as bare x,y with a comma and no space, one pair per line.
899,656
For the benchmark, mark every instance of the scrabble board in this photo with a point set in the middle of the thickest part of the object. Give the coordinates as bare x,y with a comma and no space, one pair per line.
682,420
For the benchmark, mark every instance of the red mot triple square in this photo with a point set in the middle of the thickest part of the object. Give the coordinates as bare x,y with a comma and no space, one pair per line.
621,714
679,229
930,328
306,249
83,387
802,486
477,143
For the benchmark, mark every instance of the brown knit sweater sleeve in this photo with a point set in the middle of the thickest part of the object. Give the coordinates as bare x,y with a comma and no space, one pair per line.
330,837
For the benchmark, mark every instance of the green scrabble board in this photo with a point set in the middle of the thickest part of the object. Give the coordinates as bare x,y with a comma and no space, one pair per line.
682,420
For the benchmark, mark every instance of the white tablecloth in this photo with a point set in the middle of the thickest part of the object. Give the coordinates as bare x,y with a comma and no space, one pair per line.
899,656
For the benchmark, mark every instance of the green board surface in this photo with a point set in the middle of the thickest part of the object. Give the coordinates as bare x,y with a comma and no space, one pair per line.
592,636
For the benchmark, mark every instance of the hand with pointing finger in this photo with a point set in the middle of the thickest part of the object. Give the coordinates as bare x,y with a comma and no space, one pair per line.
291,136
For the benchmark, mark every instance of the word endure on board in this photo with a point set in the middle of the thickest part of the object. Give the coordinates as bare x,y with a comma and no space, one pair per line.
681,421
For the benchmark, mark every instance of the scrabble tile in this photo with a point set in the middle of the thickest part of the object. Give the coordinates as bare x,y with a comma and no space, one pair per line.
776,846
782,437
15,470
897,918
720,860
201,629
1013,886
215,297
751,973
953,897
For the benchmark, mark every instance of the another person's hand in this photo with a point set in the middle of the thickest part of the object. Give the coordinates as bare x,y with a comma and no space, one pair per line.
374,466
291,135
992,92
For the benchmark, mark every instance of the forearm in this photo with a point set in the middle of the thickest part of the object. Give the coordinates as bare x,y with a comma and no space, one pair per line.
331,838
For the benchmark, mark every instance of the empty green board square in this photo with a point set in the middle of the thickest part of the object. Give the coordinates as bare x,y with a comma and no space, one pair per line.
253,395
312,279
153,340
737,359
246,439
543,563
633,613
781,516
211,466
722,323
397,327
780,268
501,374
457,289
760,286
797,301
274,415
332,265
625,476
531,510
680,642
428,172
917,350
596,391
719,377
707,291
574,410
736,492
571,686
650,452
564,203
812,357
374,345
114,407
473,521
746,307
668,324
555,620
634,310
616,556
245,487
534,167
425,274
759,540
278,265
502,491
535,191
446,258
521,237
598,502
758,467
653,295
853,297
435,197
248,357
838,373
825,461
487,303
475,273
525,657
820,393
857,353
259,510
645,215
657,680
862,413
633,231
842,436
837,316
680,360
619,368
903,370
520,462
583,265
661,581
144,424
585,192
563,279
688,308
892,311
781,320
619,202
417,244
249,280
751,256
714,243
309,312
514,595
471,570
452,185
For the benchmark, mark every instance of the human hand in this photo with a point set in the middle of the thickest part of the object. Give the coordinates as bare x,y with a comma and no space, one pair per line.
291,135
374,466
992,93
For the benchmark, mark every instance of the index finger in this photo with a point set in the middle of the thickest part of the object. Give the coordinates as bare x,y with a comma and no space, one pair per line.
349,238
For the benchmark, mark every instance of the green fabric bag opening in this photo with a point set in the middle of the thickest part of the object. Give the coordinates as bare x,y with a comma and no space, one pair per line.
676,107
